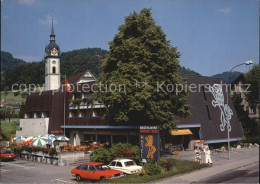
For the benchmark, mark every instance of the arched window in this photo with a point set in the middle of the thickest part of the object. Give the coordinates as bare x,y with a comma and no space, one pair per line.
54,69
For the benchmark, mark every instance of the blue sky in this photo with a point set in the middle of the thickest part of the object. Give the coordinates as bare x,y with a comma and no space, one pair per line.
212,35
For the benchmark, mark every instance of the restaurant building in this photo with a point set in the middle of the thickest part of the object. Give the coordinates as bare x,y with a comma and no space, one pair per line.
56,110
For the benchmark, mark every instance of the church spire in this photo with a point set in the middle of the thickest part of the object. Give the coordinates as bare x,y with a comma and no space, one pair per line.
52,28
52,36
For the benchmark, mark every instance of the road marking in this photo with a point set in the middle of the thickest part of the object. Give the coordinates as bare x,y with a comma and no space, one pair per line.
17,165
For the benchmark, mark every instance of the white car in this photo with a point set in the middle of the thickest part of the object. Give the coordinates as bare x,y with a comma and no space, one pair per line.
126,165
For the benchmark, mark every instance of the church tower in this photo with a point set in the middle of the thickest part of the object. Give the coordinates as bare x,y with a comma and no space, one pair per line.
52,63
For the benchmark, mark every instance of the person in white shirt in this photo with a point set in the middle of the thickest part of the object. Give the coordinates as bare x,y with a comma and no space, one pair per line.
207,155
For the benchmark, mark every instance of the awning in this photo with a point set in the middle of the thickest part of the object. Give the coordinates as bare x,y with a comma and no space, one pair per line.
181,132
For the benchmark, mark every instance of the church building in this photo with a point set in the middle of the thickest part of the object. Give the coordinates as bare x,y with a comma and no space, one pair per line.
56,110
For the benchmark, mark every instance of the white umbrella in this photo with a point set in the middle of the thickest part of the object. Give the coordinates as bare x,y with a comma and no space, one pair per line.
62,138
40,141
29,138
20,138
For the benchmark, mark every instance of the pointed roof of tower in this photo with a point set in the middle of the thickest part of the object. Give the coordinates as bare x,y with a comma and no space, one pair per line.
52,45
52,27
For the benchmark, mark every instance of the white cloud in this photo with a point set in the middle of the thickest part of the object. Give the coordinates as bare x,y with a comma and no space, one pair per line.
224,11
47,20
27,2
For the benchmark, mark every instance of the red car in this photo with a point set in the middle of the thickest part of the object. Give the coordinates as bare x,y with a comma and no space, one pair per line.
7,155
94,171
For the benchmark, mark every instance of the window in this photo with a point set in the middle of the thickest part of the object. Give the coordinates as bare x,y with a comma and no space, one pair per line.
91,168
87,95
8,152
79,167
252,110
119,164
208,112
54,69
38,115
113,163
84,167
129,163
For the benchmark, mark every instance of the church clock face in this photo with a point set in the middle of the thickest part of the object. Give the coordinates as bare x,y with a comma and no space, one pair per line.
54,51
54,62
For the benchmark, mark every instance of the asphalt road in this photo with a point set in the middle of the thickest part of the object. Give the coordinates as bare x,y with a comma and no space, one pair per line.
21,171
247,174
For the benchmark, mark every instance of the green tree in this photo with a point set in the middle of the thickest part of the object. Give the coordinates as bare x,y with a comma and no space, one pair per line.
253,78
140,55
10,113
250,127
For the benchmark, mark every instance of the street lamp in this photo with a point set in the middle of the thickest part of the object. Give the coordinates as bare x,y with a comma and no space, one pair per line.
249,62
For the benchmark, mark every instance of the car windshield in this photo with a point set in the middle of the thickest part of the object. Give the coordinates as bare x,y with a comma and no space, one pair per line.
102,167
129,163
7,152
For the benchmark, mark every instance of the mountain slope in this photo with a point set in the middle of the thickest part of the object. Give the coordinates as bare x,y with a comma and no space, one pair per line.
9,62
72,62
232,76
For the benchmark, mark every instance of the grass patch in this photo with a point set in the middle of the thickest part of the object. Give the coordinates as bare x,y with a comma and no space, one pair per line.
181,166
11,98
16,96
8,128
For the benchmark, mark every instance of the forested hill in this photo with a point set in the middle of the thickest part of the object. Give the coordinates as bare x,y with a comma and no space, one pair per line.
9,62
232,76
184,70
72,62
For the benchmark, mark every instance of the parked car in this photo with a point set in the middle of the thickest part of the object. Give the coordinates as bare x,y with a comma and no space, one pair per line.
7,154
95,171
127,166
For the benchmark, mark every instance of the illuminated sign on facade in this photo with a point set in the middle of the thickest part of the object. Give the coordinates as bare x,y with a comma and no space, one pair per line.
149,142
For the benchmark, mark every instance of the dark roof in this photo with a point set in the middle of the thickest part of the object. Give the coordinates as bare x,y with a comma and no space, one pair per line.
49,48
199,115
38,102
75,78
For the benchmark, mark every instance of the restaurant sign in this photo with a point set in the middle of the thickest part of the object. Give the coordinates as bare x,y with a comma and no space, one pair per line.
56,131
150,142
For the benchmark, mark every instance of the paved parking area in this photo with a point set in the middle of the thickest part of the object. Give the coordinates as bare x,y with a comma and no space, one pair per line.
21,171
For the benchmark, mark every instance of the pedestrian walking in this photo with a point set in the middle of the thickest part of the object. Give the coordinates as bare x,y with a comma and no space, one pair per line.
207,155
197,154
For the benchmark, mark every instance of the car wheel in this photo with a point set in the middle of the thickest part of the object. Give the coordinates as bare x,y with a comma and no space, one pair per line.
102,178
78,177
124,174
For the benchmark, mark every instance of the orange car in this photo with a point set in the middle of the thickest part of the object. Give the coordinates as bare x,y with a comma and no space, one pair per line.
7,155
94,171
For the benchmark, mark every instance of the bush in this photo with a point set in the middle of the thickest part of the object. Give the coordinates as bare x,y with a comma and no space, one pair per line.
167,163
127,151
16,93
36,148
151,168
142,173
52,151
116,151
101,155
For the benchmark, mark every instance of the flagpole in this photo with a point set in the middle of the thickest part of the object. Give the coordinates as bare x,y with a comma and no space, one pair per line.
64,108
